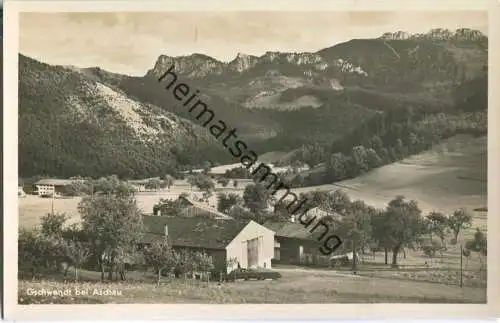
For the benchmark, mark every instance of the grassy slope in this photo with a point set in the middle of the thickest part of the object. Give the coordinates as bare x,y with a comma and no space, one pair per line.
438,179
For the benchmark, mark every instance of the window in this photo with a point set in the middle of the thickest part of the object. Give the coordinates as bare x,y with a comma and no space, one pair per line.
277,253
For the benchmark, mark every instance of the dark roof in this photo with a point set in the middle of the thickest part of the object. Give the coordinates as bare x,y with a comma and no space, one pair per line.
290,230
143,181
193,232
55,182
205,208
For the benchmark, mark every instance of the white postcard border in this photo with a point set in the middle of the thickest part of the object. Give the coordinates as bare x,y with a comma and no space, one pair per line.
247,311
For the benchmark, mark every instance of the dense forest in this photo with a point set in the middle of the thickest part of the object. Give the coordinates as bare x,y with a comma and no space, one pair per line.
394,135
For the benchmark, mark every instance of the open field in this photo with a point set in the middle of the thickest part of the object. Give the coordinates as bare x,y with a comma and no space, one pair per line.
224,168
268,160
273,156
296,286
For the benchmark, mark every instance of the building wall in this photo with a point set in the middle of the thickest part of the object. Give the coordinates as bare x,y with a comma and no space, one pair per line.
48,188
238,247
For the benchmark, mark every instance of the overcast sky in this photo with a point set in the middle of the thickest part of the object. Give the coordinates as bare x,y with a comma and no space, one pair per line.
130,43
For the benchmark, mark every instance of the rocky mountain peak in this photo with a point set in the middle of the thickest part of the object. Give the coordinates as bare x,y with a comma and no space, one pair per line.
243,62
462,34
192,66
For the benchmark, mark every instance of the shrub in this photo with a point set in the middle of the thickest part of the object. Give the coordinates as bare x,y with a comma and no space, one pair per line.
36,254
431,248
259,274
429,251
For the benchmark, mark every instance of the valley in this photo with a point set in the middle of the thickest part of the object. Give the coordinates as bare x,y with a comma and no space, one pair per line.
386,138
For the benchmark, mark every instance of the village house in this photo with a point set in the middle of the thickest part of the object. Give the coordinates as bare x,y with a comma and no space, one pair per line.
193,171
251,244
139,184
301,245
192,209
293,243
145,184
51,186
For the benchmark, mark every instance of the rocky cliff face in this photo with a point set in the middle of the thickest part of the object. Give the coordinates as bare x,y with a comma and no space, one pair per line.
398,59
198,66
242,62
399,62
193,66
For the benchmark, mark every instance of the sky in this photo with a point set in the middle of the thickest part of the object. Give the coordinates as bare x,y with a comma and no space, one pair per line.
130,43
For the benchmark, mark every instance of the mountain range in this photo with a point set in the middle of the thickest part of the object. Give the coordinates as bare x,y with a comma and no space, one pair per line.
88,121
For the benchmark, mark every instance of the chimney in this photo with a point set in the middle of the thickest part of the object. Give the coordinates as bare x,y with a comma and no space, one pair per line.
166,230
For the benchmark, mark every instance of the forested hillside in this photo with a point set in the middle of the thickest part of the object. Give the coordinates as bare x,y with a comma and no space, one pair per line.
71,125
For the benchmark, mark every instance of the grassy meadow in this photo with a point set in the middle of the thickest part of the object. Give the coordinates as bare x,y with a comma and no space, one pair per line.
451,175
298,285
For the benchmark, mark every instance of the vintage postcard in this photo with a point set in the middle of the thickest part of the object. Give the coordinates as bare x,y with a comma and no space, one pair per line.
215,159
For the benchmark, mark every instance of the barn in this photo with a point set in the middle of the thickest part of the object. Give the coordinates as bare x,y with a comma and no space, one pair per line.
191,208
251,244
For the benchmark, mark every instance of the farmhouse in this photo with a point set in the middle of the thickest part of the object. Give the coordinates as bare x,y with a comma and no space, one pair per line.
139,185
293,243
51,186
248,242
192,209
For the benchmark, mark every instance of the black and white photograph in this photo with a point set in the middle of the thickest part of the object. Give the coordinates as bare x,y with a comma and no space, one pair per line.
252,157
